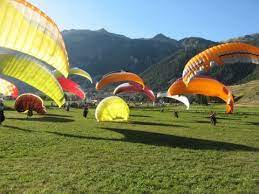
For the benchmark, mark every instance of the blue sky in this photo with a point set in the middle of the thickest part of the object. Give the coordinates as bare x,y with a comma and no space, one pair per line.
215,20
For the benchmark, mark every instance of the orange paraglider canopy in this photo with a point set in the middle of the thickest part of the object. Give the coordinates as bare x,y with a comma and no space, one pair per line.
228,53
119,77
204,86
29,101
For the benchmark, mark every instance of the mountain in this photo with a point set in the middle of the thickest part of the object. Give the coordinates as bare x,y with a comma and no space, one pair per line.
160,75
100,52
160,60
250,39
247,93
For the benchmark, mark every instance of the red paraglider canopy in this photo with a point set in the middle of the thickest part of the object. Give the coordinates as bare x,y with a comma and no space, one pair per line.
135,88
29,101
15,92
71,87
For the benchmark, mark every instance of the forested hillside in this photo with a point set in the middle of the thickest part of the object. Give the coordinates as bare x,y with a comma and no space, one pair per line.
100,52
161,75
160,60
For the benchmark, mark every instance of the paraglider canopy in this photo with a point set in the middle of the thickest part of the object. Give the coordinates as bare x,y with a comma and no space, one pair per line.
30,102
119,77
179,98
228,53
204,86
80,72
112,108
75,71
8,89
26,29
31,71
135,88
71,87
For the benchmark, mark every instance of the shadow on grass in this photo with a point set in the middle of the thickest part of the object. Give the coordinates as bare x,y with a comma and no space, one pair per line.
253,123
45,119
56,115
141,116
199,121
18,128
247,113
10,109
158,139
227,118
218,119
154,124
73,135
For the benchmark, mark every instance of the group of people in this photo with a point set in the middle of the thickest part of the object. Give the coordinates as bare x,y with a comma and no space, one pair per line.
30,111
212,115
213,119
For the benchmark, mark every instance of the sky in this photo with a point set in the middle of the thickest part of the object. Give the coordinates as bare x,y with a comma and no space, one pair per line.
216,20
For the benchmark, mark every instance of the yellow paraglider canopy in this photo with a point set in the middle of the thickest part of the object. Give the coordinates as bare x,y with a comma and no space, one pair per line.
112,109
27,29
75,71
31,71
80,72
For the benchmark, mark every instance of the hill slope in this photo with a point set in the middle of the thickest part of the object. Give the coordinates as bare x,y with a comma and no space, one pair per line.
247,93
161,75
100,52
160,60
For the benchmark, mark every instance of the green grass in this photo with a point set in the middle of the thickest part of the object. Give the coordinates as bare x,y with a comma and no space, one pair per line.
153,152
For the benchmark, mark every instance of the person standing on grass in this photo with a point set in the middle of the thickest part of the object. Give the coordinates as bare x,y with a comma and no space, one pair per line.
176,115
2,117
213,119
86,110
29,113
68,107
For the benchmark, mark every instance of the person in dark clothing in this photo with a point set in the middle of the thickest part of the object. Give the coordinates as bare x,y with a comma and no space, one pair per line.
86,110
213,119
2,116
29,113
68,107
176,114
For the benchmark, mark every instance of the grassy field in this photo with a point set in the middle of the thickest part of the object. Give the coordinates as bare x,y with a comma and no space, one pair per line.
153,152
